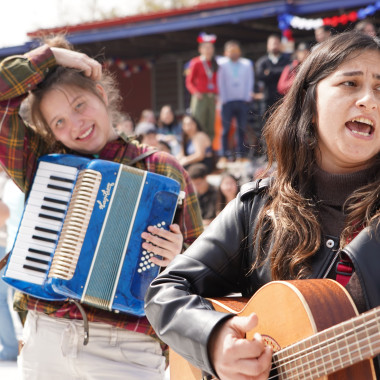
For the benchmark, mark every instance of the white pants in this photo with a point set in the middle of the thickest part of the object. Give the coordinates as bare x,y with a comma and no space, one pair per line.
54,350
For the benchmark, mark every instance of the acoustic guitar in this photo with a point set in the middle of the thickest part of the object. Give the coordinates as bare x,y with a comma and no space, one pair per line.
313,327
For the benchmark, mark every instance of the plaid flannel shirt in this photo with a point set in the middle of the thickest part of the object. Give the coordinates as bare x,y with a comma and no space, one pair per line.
21,146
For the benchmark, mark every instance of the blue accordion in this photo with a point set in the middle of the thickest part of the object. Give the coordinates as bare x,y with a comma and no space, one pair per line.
80,234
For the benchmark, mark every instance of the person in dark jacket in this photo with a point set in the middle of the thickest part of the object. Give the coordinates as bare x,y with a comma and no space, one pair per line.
269,68
316,217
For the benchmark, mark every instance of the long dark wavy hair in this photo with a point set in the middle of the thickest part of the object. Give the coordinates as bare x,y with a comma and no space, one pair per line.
291,214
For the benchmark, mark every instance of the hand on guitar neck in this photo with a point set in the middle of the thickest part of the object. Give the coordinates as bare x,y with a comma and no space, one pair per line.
235,357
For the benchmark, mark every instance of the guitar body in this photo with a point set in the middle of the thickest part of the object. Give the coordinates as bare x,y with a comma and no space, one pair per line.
288,312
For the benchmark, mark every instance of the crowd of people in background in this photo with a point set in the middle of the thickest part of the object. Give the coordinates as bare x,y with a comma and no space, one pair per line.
240,91
231,85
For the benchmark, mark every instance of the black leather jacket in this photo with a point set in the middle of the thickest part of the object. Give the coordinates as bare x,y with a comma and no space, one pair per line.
216,264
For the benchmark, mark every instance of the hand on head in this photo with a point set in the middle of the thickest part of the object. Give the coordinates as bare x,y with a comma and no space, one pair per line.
236,358
80,61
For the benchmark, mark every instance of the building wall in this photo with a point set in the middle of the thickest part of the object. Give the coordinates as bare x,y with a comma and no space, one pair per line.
135,86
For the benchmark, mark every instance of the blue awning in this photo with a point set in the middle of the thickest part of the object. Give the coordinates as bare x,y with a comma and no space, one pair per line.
214,17
232,15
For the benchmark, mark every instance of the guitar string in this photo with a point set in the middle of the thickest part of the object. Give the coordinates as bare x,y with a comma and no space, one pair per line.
326,345
342,335
326,363
361,325
296,371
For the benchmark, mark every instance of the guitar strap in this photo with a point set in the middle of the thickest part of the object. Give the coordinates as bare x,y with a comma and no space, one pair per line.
364,252
344,269
253,279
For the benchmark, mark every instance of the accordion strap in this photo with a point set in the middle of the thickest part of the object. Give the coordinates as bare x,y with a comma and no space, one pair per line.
4,260
85,321
142,156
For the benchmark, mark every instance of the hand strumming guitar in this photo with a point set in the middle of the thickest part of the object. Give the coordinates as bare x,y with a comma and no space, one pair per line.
236,358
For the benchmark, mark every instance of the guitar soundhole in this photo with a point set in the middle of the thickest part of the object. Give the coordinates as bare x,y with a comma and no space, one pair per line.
273,372
269,341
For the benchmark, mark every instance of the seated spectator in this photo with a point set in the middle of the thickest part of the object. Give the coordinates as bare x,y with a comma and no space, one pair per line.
164,146
206,193
169,129
196,145
366,27
146,133
125,125
168,125
147,115
227,191
323,33
290,71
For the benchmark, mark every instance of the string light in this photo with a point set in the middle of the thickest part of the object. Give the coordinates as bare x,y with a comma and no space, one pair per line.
128,70
287,21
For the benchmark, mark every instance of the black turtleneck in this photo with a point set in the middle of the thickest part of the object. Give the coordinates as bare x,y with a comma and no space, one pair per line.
332,190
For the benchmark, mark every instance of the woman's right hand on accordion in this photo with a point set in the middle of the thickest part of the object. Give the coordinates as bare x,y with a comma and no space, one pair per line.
164,243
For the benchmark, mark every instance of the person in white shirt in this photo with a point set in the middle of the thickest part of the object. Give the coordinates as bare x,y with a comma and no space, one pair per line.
235,83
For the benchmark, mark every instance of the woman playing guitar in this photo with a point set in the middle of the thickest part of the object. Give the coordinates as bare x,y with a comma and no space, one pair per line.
317,217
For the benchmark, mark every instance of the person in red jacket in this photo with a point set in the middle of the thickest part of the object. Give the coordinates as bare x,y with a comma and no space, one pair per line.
289,72
201,83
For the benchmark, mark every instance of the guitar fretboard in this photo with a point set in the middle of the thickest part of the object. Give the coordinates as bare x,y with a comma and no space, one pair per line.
328,351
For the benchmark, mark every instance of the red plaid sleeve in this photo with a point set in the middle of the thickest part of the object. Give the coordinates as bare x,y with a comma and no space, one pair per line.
20,146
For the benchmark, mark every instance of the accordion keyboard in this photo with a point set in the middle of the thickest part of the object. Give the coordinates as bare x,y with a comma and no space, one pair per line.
42,221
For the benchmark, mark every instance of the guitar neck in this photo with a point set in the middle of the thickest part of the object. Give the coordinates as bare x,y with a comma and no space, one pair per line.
330,350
